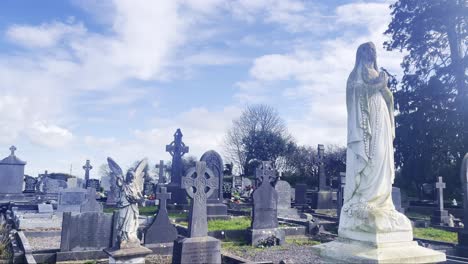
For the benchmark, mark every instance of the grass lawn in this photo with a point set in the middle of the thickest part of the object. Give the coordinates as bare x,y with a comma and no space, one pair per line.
435,234
150,211
236,223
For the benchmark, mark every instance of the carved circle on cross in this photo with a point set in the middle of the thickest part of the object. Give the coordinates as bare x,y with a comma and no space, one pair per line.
199,182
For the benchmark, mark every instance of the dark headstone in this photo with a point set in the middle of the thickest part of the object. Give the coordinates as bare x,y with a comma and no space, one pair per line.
89,232
198,247
177,149
301,194
93,183
265,200
70,200
161,229
87,167
462,247
396,197
215,206
323,198
11,173
29,184
148,188
440,216
90,204
284,200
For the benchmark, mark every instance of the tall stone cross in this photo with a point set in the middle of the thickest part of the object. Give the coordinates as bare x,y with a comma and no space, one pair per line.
199,183
162,168
87,167
440,185
177,149
12,149
163,196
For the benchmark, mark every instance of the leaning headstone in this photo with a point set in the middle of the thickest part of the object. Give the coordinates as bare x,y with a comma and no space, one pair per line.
161,234
264,225
85,235
11,174
301,194
70,200
462,247
90,204
198,247
396,197
30,184
440,216
284,200
177,149
215,206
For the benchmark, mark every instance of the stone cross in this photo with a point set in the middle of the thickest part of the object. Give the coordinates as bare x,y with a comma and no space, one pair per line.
265,172
163,196
12,149
87,167
440,185
162,169
199,184
177,149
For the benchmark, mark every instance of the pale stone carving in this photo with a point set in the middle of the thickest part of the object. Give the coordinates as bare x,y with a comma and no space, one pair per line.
130,193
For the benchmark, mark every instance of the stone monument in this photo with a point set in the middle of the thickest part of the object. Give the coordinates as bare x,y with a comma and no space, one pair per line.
127,248
11,174
30,184
301,194
112,193
177,149
440,216
87,167
462,247
90,204
370,229
94,183
323,197
341,184
161,234
264,224
198,247
70,199
284,200
215,207
161,174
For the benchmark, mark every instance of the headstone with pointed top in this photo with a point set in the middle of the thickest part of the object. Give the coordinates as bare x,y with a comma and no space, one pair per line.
198,247
11,174
440,216
177,149
264,223
215,207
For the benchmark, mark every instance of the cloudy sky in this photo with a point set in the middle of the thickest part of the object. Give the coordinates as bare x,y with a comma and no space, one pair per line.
90,79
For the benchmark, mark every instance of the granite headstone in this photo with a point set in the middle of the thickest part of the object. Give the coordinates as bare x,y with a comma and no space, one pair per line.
70,200
284,200
215,206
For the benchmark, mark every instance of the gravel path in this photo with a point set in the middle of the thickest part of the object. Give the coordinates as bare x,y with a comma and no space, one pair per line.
40,243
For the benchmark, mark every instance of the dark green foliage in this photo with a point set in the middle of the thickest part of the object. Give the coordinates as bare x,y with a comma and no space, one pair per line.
268,242
431,102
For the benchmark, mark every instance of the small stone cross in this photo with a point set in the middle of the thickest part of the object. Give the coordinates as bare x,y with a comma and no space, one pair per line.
12,149
163,196
199,183
440,185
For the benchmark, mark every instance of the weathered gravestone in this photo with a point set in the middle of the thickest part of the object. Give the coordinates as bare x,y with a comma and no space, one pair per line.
50,185
161,234
323,198
90,204
440,216
198,247
396,197
70,200
177,149
301,194
462,247
11,174
85,235
264,226
45,209
284,200
215,206
93,183
87,167
29,184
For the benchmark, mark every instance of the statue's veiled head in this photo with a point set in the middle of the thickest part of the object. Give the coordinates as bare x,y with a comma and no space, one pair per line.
130,176
366,56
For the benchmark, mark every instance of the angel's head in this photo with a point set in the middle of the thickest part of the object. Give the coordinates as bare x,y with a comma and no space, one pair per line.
130,176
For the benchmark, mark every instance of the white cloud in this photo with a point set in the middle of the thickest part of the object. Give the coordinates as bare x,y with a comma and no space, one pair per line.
49,135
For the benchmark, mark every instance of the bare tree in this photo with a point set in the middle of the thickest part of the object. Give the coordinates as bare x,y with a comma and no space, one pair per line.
259,133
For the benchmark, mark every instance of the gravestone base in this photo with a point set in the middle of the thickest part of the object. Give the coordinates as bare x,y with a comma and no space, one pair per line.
197,250
161,248
216,211
440,217
462,247
135,255
288,213
322,200
352,251
80,255
261,234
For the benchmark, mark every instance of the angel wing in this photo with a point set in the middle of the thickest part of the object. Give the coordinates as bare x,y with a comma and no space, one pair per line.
115,168
139,180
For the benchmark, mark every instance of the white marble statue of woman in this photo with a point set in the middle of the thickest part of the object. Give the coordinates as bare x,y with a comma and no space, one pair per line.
130,193
370,171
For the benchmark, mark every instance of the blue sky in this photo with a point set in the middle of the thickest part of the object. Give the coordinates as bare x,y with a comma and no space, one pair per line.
90,79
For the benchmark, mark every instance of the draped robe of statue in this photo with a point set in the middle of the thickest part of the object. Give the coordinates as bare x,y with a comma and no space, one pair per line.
370,171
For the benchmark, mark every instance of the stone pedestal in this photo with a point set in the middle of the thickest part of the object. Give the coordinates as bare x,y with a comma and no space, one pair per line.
352,251
440,217
462,247
197,250
257,235
322,200
217,211
134,255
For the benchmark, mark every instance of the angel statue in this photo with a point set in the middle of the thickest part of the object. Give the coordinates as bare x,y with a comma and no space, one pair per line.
130,193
